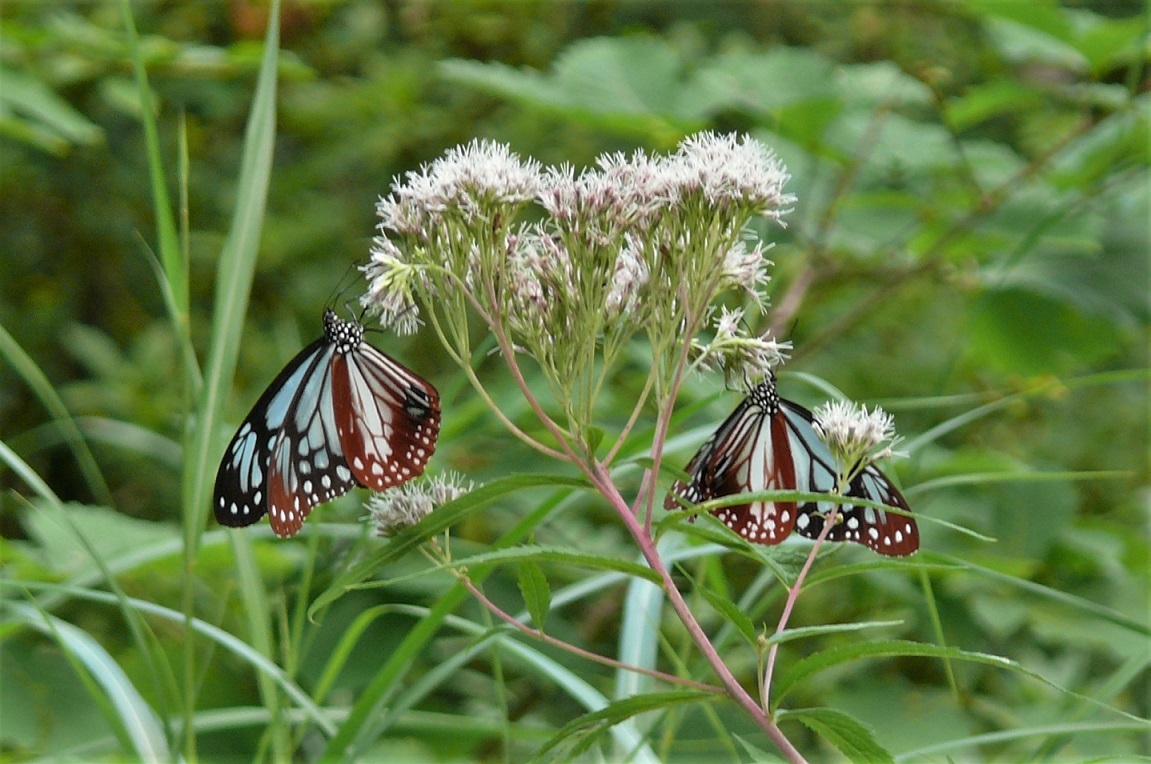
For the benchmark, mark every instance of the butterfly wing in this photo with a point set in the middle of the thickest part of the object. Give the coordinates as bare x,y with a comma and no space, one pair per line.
749,452
387,417
307,466
340,414
259,472
888,533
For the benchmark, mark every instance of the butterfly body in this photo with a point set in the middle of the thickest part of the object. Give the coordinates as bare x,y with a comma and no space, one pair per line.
341,414
770,444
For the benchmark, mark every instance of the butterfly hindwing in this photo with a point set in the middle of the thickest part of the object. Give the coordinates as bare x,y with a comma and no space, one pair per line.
307,466
389,423
888,533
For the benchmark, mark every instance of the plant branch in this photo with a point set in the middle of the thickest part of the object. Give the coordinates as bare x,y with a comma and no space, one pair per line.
792,595
603,483
543,636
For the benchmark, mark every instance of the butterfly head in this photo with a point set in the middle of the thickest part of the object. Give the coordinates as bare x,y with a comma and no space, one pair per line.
345,335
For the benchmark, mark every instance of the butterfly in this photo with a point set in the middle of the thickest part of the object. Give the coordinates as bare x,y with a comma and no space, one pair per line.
341,414
770,444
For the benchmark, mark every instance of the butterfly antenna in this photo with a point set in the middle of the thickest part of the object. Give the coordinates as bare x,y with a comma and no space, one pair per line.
344,284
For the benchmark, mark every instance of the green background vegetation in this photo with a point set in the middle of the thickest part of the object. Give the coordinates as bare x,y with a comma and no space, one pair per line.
969,249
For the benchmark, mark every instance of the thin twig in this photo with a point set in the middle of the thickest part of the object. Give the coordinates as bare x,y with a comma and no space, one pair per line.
543,636
792,596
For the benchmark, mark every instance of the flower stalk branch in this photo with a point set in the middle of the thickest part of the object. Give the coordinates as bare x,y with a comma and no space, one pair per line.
543,636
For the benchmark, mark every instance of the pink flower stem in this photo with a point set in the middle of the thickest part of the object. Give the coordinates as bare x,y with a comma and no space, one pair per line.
604,484
792,596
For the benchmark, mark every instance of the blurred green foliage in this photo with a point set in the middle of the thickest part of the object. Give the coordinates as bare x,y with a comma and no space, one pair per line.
972,229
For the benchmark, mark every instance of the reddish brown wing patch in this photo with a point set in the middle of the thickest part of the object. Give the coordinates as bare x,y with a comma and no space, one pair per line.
766,466
306,474
740,458
286,508
387,418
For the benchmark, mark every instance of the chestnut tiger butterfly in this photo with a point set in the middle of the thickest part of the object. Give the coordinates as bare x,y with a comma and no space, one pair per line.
341,414
770,444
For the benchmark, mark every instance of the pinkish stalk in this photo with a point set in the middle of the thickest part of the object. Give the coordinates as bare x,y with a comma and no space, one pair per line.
604,484
792,596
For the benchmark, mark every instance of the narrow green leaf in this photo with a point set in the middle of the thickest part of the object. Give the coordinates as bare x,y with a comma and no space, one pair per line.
234,272
754,752
536,592
364,722
848,734
585,728
34,101
836,656
214,633
729,610
813,631
444,517
136,717
339,656
258,616
536,554
42,388
168,242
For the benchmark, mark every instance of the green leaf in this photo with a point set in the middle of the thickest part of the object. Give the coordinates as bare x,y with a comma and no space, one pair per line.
234,271
1023,43
45,113
579,733
836,656
1017,331
629,84
99,531
530,554
984,102
134,717
845,732
594,438
787,635
1110,43
1042,16
220,637
444,517
536,592
37,381
738,80
881,83
895,146
730,610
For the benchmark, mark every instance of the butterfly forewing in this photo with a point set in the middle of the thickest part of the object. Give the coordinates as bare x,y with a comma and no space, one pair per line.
240,494
748,453
338,401
307,467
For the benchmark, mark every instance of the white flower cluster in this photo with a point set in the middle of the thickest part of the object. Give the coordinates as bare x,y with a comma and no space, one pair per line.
742,358
467,179
855,435
407,504
637,243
